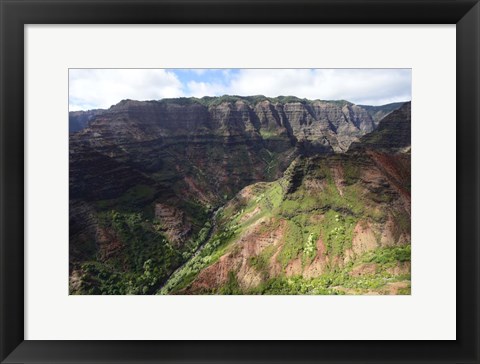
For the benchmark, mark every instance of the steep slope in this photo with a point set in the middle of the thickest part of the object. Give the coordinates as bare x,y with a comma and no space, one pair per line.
185,143
332,225
78,120
392,134
379,112
147,177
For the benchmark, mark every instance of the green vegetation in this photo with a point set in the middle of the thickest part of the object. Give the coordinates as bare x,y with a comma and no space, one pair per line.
340,214
198,213
294,286
165,170
342,281
337,232
231,287
405,291
261,262
388,256
251,100
318,202
310,249
209,254
269,134
133,199
351,172
293,245
138,259
334,283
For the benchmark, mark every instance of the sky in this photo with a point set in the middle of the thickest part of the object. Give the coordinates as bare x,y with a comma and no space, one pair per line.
102,88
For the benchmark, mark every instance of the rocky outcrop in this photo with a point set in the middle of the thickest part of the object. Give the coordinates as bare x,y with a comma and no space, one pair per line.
172,222
163,142
379,112
83,225
201,152
145,178
348,213
393,133
78,120
320,122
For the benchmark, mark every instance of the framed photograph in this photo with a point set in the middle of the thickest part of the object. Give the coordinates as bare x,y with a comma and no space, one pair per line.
239,181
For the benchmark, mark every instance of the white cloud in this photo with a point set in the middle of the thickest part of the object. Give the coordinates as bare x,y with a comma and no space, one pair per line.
104,87
101,88
361,86
273,82
200,89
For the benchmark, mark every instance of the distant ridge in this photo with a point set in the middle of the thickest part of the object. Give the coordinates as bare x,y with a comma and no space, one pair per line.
392,134
379,112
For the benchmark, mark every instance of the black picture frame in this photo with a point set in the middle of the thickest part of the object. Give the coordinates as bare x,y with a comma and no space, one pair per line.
17,13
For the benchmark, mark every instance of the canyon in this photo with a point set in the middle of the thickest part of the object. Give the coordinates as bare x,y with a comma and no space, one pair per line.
240,195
